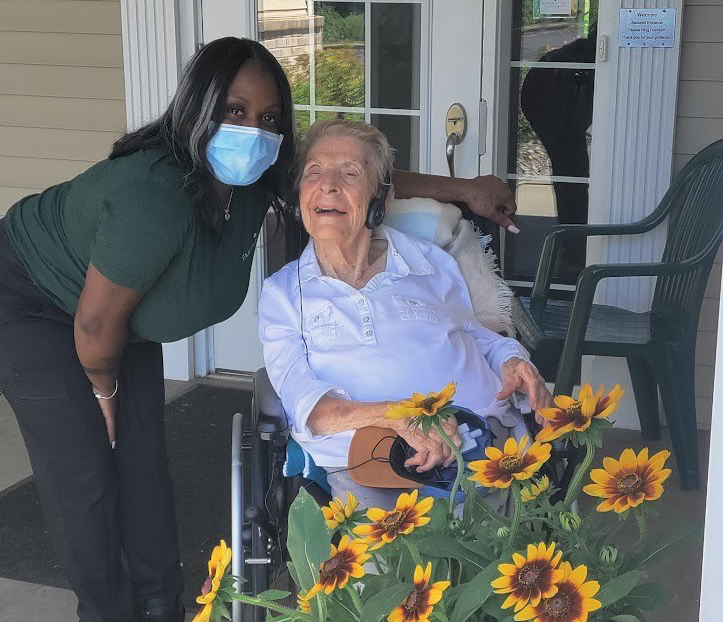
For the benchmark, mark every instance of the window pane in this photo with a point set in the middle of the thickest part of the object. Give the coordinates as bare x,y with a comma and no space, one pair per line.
340,61
403,135
542,205
395,55
302,122
564,38
550,121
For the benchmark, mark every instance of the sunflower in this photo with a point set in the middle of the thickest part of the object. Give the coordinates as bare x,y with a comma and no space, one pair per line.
576,415
511,464
419,404
220,559
417,607
531,578
344,562
337,513
403,519
303,602
535,489
627,482
572,602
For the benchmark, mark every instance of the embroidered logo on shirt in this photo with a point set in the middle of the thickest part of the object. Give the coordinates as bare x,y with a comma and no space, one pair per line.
414,309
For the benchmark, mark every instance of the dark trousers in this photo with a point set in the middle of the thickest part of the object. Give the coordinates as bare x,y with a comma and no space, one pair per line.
97,501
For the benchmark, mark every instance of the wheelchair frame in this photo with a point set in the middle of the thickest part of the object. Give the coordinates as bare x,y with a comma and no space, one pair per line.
260,492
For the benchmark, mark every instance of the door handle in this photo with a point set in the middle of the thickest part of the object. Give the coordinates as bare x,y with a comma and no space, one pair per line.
456,126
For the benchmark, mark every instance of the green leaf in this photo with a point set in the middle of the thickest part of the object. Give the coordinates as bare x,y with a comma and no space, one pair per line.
380,605
292,572
625,618
667,544
375,584
426,425
341,611
651,596
220,609
619,587
444,546
481,548
308,541
273,595
475,593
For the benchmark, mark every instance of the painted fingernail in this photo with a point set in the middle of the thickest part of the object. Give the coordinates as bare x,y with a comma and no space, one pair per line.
112,445
512,229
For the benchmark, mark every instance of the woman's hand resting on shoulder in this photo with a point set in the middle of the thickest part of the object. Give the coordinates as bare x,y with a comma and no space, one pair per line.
519,375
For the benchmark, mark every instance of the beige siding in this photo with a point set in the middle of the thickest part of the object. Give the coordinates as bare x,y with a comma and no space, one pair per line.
699,123
61,90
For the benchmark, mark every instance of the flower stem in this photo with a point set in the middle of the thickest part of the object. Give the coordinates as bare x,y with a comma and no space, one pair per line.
642,528
377,565
576,484
355,598
517,517
460,465
293,613
413,552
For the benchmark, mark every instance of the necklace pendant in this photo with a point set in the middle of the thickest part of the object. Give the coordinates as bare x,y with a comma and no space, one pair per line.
227,216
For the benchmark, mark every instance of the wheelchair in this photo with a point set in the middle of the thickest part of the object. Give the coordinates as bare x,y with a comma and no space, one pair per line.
261,495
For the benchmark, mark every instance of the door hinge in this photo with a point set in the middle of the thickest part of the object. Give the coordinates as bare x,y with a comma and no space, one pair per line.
602,48
482,134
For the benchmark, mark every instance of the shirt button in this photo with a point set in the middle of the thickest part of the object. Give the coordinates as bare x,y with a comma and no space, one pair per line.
365,318
360,302
368,333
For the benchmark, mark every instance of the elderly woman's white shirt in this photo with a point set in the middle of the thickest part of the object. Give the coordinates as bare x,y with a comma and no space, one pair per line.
410,329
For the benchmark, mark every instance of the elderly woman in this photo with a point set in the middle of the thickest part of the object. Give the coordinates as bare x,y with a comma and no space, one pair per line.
370,315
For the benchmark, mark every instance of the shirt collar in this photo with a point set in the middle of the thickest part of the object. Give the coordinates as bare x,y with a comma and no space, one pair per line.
404,256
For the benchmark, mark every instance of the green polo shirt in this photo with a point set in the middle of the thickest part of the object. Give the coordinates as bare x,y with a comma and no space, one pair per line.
131,219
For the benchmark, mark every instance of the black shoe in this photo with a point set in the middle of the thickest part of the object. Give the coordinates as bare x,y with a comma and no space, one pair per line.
161,610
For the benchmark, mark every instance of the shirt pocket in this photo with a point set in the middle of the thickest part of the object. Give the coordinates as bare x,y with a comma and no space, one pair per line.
414,309
321,326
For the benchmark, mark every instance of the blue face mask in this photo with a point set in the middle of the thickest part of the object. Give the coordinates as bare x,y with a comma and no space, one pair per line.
240,155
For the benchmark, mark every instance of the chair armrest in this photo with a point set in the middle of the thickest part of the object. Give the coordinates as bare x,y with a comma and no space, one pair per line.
554,237
271,422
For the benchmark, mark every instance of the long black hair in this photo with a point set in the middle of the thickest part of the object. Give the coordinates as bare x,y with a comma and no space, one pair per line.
184,129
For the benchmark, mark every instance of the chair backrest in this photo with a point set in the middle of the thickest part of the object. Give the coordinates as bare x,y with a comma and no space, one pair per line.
694,204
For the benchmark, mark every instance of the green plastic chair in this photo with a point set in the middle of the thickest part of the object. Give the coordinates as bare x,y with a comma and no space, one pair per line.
659,344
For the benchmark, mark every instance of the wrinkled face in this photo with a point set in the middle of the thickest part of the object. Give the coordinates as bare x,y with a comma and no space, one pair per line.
335,189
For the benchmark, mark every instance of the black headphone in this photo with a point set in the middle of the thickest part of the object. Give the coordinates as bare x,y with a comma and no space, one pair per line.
376,209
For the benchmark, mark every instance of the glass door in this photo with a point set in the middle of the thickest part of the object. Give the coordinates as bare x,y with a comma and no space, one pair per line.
545,87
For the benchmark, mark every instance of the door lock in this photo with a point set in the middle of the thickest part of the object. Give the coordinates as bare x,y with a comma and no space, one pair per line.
456,127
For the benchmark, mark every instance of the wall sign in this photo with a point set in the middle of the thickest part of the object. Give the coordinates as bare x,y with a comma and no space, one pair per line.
553,7
650,28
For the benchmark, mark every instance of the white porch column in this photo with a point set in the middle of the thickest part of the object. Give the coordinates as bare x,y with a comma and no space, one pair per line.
151,67
635,101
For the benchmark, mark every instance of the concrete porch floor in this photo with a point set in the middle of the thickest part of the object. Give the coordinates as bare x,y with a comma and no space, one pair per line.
28,602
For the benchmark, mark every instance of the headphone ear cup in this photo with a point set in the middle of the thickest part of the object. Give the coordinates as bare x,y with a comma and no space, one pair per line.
376,212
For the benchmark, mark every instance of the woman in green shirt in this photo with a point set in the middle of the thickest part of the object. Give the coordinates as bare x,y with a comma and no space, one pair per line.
149,246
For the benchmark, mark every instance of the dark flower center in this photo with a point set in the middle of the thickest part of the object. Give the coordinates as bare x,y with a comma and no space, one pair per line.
331,566
413,600
557,606
529,575
428,403
207,585
630,483
393,520
511,464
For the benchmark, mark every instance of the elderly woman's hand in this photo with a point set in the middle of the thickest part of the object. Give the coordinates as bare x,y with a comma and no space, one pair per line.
519,375
430,450
490,197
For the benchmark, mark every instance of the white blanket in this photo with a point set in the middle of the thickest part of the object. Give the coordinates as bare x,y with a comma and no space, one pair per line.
443,225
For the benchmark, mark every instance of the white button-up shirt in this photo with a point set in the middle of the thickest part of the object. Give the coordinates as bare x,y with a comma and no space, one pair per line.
410,329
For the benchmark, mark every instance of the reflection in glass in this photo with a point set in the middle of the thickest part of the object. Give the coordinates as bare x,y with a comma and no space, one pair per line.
538,211
403,135
537,35
339,78
395,55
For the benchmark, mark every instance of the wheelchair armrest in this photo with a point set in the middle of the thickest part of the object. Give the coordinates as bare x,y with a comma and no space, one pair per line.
271,422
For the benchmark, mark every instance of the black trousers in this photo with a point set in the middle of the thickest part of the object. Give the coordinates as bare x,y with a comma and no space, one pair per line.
98,502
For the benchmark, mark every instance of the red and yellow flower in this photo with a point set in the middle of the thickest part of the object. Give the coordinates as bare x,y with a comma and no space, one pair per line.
345,561
535,489
530,578
421,405
220,559
303,601
418,606
512,463
337,512
627,482
575,415
406,516
572,602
